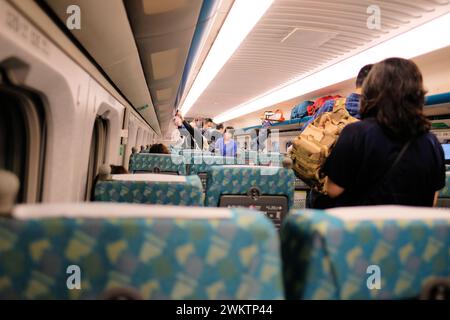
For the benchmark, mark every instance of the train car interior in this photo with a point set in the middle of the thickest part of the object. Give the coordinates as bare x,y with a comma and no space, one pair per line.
224,149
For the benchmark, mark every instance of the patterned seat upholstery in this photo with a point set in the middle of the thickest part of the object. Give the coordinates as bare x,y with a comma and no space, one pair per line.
151,189
242,185
334,254
158,163
160,252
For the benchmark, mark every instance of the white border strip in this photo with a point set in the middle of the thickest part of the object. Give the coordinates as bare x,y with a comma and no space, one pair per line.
116,210
389,212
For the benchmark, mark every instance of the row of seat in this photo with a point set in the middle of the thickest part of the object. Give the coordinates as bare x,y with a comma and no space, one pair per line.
165,252
269,189
228,181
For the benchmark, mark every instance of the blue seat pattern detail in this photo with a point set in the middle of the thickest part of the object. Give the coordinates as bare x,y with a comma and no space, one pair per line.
327,258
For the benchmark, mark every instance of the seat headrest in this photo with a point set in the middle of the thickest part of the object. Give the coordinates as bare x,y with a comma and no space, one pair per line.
102,210
389,212
154,177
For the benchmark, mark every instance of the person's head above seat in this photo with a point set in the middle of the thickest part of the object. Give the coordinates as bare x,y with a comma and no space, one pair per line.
159,148
393,93
197,123
228,133
362,75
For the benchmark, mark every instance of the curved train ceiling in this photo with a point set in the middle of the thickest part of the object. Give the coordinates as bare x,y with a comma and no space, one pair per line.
153,49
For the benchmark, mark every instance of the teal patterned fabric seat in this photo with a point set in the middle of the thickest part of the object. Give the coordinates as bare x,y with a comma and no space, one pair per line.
334,254
202,164
248,157
161,252
238,180
151,189
158,163
271,158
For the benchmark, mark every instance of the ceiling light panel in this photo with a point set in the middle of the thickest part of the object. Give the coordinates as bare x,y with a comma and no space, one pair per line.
263,63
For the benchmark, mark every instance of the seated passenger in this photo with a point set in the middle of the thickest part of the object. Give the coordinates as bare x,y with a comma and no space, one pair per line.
226,146
389,157
118,169
142,149
352,100
159,148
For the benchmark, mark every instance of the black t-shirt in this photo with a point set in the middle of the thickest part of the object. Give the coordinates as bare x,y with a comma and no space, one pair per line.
363,155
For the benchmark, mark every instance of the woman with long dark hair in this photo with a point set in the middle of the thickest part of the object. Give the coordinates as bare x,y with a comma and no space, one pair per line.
389,157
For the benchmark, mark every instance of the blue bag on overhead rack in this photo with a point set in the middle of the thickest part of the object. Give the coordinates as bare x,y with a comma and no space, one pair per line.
301,110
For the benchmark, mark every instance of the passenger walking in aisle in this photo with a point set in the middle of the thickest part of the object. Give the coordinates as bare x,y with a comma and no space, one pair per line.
188,136
389,157
352,104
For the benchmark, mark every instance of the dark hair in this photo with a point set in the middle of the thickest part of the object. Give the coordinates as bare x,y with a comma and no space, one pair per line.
219,126
393,93
159,148
362,75
207,120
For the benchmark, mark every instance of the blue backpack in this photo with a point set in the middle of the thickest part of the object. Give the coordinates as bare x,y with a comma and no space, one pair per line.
301,110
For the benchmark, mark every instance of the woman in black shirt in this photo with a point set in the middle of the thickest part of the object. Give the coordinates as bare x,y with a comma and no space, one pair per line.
389,157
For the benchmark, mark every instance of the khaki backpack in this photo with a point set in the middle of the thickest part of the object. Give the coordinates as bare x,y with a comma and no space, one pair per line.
312,147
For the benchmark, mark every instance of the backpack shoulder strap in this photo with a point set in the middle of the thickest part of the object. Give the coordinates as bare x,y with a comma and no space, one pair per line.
394,164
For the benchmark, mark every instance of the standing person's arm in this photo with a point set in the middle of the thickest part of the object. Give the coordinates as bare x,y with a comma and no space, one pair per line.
188,127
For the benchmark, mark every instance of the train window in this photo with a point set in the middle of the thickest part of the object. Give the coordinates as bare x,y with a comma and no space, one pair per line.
97,153
22,139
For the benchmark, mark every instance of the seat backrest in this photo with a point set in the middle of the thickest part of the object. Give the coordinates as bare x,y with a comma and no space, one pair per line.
268,189
157,163
379,252
148,252
151,189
